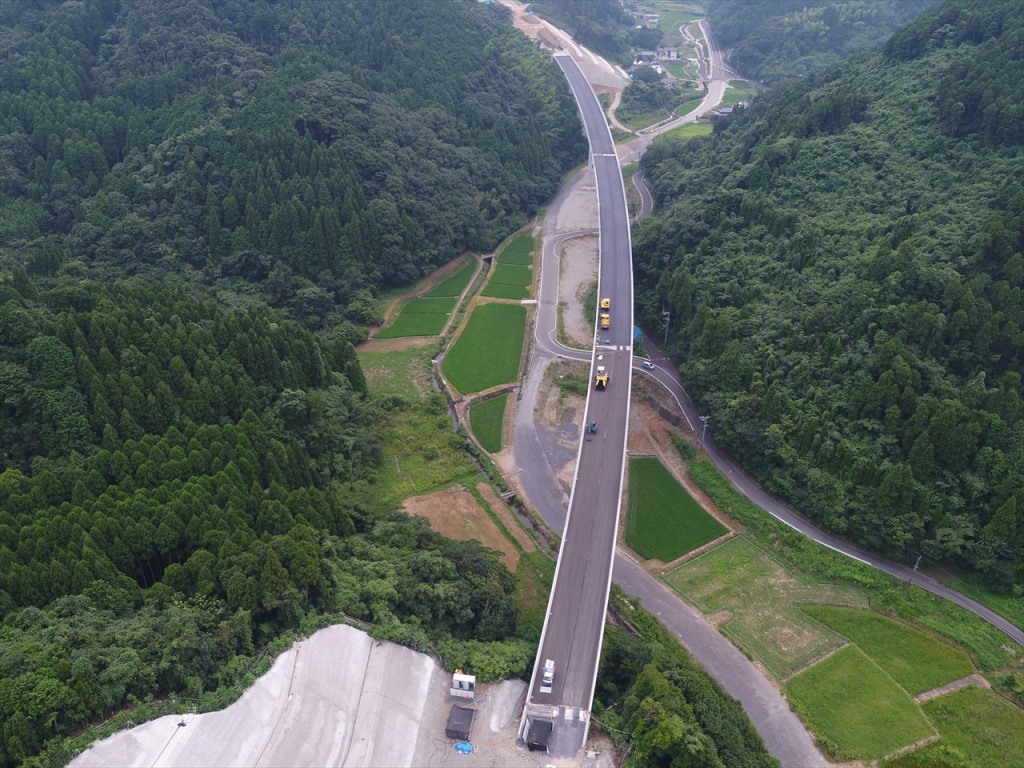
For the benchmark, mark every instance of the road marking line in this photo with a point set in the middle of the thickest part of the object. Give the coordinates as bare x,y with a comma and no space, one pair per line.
834,549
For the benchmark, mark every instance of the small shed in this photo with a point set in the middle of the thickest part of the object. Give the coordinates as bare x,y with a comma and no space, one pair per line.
460,722
463,686
537,736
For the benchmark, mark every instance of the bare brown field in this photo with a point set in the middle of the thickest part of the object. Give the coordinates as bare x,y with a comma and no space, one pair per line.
456,514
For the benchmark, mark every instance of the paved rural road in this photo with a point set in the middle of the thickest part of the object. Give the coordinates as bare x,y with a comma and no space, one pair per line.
783,733
646,201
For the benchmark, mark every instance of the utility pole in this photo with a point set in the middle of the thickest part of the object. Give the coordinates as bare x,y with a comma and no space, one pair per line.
665,317
704,428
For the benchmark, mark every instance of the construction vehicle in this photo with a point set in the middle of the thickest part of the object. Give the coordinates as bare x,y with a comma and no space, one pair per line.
601,378
606,320
548,676
606,303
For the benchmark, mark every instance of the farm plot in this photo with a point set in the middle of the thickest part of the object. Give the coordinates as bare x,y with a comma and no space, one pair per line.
488,351
486,419
456,514
509,281
403,372
762,603
663,521
850,701
420,317
973,722
913,659
518,251
456,284
512,276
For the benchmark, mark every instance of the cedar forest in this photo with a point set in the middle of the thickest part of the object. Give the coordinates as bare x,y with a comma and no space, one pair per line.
199,204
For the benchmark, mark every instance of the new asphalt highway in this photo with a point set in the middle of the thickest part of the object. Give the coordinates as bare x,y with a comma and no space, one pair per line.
572,633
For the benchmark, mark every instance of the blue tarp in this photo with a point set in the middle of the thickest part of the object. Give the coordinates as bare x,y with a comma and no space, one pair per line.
464,747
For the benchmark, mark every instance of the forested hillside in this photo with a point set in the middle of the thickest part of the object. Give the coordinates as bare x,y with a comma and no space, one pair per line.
199,202
601,25
308,152
772,40
843,267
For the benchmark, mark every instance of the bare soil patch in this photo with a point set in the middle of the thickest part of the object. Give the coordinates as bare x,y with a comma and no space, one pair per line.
456,514
614,96
552,403
392,345
577,272
579,211
956,685
718,619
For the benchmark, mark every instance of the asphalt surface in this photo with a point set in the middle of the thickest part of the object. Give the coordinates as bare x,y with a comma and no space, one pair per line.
784,734
646,201
574,627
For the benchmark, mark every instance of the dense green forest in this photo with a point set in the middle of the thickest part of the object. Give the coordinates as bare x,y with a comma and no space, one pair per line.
772,40
183,482
305,153
843,266
601,25
648,95
199,203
